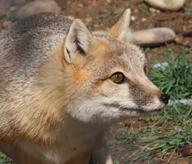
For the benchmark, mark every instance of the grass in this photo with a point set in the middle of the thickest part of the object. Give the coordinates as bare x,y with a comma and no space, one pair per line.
166,134
188,10
173,130
2,17
175,79
145,10
4,159
169,132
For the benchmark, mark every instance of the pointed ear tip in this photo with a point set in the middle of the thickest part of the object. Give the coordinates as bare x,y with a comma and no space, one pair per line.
127,13
78,23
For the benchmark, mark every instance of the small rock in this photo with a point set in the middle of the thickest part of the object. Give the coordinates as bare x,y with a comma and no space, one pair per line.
152,10
143,19
80,5
96,25
172,5
158,11
6,24
37,7
88,20
136,10
153,36
12,8
133,18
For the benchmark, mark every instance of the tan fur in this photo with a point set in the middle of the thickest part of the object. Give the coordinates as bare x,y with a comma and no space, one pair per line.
120,30
57,99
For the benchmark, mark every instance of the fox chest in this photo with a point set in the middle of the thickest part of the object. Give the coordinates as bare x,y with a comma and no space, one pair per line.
76,154
65,153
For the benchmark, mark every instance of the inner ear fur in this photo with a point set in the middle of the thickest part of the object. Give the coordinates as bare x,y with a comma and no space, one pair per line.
77,41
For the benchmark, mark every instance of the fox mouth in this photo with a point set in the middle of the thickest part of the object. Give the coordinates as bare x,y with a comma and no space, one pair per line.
137,111
140,111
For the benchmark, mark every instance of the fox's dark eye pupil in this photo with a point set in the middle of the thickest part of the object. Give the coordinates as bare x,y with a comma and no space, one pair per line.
118,78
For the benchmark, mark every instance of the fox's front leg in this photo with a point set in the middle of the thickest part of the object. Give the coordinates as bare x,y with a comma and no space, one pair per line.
101,156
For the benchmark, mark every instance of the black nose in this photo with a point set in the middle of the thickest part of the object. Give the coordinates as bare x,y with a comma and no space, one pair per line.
164,98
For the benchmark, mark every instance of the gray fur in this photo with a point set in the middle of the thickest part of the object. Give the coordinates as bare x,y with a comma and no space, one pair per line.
24,48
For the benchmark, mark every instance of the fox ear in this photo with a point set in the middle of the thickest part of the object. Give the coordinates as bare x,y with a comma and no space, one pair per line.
77,41
121,29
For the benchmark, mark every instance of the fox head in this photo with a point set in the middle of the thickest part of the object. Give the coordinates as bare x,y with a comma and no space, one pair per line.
108,74
104,75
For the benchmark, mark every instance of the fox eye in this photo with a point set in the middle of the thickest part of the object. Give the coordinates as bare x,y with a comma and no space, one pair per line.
117,78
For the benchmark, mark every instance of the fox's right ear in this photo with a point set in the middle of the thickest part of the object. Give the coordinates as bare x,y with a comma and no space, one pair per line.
121,30
77,41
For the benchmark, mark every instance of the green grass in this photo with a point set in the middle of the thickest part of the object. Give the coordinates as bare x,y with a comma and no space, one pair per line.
2,17
174,130
176,79
145,10
4,159
168,132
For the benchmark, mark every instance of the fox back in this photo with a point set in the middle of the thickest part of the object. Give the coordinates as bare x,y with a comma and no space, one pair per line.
24,49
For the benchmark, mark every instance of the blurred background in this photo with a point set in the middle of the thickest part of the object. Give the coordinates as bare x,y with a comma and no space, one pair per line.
165,138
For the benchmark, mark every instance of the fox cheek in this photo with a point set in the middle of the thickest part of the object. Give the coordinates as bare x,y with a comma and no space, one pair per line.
139,96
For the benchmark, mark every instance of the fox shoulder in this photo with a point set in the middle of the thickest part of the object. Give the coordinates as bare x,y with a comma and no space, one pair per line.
24,48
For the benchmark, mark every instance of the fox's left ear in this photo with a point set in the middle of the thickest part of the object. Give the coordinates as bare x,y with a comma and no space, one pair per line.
121,29
77,41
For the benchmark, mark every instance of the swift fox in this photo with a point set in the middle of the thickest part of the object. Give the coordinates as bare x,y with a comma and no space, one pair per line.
62,86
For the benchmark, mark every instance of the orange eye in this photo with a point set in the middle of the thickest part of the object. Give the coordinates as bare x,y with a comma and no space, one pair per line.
118,78
146,70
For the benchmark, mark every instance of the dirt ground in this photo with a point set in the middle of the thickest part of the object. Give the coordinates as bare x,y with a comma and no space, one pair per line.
100,14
